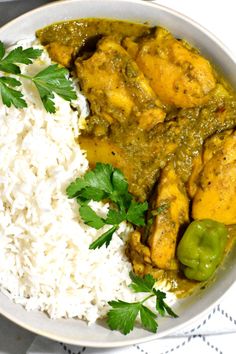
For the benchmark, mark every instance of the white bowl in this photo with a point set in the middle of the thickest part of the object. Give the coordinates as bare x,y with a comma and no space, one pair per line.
75,331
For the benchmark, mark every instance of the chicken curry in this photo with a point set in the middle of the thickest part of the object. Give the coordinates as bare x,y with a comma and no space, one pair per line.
162,114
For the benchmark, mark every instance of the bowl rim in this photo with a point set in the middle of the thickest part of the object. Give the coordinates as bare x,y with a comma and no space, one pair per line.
150,3
118,343
195,318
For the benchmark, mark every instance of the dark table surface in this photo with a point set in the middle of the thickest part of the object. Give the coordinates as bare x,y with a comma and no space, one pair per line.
14,8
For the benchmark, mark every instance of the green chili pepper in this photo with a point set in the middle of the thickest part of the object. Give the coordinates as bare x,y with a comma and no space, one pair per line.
201,248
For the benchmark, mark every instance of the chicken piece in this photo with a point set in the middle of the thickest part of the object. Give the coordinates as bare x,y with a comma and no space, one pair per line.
211,145
131,46
139,253
115,87
140,256
214,144
216,193
60,53
196,169
178,75
171,209
105,151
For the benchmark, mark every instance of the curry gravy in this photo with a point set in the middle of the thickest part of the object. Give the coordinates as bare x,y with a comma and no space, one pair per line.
145,125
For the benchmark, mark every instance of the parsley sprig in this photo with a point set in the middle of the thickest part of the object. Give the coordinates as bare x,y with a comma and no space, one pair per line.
106,183
53,79
123,314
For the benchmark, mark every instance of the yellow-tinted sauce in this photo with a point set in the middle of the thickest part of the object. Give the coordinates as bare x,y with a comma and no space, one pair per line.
110,74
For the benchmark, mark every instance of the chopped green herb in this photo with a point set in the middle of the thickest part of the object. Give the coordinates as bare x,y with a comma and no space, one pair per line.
123,314
53,79
105,182
150,222
163,207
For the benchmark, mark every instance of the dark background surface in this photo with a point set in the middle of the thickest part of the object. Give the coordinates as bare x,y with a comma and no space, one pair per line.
14,8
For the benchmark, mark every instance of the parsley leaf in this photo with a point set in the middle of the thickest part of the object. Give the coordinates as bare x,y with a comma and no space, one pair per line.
119,182
17,56
144,285
10,81
120,193
104,239
47,99
148,319
161,305
135,213
170,311
92,193
2,50
74,189
115,217
53,79
50,81
22,56
90,217
9,95
99,179
123,315
107,183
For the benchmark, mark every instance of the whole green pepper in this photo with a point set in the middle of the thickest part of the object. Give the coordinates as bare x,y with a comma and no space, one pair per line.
201,248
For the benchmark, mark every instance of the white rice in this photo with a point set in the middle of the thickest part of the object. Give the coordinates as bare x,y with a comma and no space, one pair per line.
45,262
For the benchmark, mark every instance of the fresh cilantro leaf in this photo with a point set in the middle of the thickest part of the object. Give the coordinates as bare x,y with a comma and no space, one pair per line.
119,182
2,50
122,316
22,56
136,211
120,194
50,81
90,217
53,79
100,177
109,184
115,217
93,193
17,56
148,319
9,68
9,95
47,99
104,239
170,311
142,285
10,81
161,305
81,201
73,190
